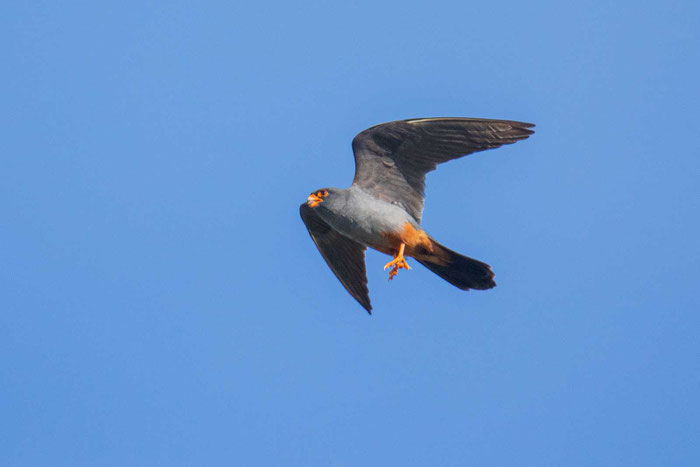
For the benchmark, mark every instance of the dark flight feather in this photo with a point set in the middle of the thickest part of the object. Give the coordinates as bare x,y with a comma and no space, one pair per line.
392,159
344,256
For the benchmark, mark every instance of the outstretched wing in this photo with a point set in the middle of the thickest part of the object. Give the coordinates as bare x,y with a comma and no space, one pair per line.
345,256
391,159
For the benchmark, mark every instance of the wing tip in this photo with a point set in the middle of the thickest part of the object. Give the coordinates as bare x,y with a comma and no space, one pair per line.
365,302
512,128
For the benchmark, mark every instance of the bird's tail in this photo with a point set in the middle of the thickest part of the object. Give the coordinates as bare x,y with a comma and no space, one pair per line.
461,271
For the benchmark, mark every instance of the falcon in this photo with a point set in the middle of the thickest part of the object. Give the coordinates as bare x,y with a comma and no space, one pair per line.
383,207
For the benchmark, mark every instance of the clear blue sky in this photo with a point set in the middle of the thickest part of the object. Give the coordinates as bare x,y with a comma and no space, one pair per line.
161,302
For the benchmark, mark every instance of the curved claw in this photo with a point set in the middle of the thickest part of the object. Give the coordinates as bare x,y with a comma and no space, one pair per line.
399,262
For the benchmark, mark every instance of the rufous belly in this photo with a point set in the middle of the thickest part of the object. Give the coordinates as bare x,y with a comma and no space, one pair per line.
417,241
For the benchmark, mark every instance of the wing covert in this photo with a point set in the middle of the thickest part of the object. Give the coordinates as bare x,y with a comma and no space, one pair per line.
392,159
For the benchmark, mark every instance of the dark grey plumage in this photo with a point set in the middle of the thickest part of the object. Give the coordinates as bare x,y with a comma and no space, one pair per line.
384,206
392,159
344,256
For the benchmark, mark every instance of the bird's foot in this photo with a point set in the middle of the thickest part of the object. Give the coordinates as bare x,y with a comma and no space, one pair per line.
398,263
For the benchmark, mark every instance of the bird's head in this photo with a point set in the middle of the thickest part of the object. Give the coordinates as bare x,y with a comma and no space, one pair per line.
318,196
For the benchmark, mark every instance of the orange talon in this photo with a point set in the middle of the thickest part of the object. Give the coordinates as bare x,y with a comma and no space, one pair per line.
399,262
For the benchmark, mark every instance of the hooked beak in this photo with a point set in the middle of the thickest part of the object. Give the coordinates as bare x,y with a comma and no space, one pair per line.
313,200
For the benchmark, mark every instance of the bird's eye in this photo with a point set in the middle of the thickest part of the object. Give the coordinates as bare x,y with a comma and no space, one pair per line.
323,193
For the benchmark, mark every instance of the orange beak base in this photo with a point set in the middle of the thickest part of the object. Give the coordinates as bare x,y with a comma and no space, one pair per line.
314,200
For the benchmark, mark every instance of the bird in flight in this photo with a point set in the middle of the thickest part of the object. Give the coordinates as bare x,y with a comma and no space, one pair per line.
383,207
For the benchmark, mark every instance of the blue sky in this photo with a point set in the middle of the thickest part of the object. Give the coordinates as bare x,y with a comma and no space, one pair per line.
163,304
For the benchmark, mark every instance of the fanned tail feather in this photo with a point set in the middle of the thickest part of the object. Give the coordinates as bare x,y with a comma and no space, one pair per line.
461,271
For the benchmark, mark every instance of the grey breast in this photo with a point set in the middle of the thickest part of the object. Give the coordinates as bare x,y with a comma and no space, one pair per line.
363,217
